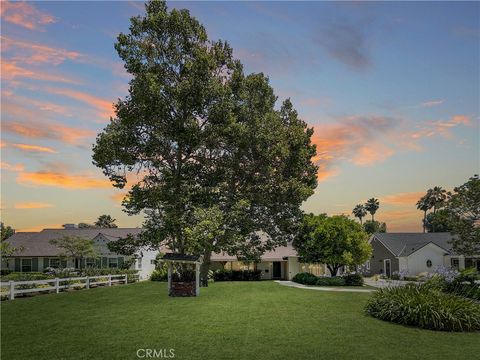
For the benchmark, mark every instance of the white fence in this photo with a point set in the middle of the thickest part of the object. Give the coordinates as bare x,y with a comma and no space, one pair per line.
58,284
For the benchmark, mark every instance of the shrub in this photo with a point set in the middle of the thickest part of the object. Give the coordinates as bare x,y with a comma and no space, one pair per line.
353,280
4,272
26,276
410,278
426,307
305,278
159,275
331,281
237,275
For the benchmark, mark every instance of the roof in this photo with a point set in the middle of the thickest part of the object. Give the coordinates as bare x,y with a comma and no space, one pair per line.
278,254
38,243
180,257
404,244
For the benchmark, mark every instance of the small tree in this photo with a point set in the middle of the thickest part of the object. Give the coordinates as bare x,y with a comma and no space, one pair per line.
105,222
335,241
5,248
424,205
75,247
372,227
441,221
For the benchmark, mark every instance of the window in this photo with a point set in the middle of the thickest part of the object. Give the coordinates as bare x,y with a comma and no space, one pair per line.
112,262
367,265
54,263
429,263
90,262
139,263
26,265
455,263
153,262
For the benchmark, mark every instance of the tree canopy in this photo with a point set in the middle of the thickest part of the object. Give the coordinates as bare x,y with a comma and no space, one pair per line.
204,141
335,241
75,247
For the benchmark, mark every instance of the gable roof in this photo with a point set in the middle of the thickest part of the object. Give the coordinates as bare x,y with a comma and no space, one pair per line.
405,244
38,243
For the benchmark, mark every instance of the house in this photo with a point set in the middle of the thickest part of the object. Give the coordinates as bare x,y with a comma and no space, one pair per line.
415,253
37,253
282,263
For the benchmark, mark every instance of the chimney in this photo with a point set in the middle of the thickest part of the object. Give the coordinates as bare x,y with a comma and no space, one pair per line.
70,226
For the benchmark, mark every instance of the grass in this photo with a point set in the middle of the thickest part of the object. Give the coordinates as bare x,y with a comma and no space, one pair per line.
230,320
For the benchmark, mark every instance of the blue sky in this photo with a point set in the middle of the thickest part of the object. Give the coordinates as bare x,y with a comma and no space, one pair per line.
391,89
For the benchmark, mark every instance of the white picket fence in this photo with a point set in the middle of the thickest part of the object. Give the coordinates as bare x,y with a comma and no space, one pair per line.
58,284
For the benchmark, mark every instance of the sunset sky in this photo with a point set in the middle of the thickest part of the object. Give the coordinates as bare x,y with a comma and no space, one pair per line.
391,89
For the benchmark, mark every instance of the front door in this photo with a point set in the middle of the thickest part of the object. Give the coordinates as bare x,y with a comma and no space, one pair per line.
277,270
388,270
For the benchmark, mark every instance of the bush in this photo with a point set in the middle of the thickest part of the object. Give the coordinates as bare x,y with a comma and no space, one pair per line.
331,281
353,280
26,276
426,307
237,275
305,278
159,275
4,272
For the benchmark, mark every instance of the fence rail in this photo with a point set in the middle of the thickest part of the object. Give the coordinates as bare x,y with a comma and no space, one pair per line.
63,283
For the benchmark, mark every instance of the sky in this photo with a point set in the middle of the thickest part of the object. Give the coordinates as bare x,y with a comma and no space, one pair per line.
391,90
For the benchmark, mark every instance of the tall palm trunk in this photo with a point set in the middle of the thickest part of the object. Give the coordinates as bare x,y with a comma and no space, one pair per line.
424,221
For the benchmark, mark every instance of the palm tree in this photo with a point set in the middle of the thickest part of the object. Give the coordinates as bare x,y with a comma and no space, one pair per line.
359,212
372,206
424,205
436,198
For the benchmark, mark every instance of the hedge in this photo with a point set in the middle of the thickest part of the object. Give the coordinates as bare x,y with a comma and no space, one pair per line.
237,275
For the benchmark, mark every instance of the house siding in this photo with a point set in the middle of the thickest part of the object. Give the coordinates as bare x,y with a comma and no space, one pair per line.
379,254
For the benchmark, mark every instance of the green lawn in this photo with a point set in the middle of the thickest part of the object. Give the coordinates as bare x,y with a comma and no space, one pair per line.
242,320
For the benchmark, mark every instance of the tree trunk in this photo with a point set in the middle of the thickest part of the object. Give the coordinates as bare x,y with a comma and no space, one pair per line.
204,268
361,222
333,269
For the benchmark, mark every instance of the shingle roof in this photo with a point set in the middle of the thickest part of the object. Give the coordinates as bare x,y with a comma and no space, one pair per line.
274,255
404,244
38,244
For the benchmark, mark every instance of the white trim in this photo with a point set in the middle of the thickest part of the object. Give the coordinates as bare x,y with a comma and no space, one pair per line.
385,267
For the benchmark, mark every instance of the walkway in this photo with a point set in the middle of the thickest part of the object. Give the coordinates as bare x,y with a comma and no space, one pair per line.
322,288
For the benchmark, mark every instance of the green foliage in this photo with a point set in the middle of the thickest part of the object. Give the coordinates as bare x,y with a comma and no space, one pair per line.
426,307
105,221
159,275
353,279
5,248
372,206
26,276
372,227
359,212
75,247
335,241
441,221
6,231
237,275
331,281
203,137
305,278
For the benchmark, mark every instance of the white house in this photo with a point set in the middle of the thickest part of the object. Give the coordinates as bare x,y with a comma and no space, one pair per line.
37,253
415,253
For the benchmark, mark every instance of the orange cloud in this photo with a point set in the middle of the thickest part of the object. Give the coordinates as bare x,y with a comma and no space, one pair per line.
105,107
53,131
62,180
373,153
11,167
11,71
32,205
118,196
440,127
31,53
408,198
25,15
34,148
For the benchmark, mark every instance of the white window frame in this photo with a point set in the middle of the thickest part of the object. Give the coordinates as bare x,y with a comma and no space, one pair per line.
453,260
139,262
385,267
110,263
59,263
90,262
21,264
367,265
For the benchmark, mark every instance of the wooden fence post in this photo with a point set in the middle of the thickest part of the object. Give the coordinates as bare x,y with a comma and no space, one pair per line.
110,280
12,290
88,283
197,279
57,285
126,279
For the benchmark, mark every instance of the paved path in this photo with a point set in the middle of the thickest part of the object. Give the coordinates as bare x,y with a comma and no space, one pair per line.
321,288
382,283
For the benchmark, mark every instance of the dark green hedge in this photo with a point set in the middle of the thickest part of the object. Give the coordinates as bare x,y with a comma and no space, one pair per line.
234,275
345,280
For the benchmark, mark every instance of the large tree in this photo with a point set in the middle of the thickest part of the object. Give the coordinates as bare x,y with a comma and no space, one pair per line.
5,248
72,247
424,205
441,221
335,241
464,206
202,139
372,227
